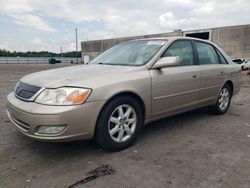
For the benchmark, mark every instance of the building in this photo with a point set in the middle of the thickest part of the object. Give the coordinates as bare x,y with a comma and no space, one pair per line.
234,40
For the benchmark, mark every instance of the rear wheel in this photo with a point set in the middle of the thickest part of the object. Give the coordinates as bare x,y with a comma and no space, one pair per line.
223,101
119,123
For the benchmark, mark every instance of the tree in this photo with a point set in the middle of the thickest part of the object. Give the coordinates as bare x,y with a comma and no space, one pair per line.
4,52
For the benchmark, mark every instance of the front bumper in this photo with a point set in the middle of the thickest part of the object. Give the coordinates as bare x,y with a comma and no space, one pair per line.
80,120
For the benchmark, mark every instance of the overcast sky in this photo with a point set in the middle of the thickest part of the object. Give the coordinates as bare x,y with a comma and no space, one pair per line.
50,24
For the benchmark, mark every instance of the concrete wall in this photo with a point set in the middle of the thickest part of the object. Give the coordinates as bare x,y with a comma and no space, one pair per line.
94,48
234,40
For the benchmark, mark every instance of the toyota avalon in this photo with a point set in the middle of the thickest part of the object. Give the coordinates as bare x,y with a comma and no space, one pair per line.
124,88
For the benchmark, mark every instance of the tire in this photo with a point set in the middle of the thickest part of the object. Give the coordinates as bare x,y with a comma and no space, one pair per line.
223,101
125,128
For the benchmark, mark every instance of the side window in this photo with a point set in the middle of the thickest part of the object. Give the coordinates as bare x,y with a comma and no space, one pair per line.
206,53
222,58
183,49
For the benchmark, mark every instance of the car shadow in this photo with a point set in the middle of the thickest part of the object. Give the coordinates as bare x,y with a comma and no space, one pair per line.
89,147
177,121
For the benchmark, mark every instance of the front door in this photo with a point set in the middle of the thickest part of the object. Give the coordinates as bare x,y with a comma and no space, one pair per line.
176,89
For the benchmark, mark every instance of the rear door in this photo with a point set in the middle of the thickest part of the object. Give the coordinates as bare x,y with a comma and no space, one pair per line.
176,89
212,72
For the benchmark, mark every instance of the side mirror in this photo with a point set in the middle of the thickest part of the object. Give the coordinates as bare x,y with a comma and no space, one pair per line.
167,62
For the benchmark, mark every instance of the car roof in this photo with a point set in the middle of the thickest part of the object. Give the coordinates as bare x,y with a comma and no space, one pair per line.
172,39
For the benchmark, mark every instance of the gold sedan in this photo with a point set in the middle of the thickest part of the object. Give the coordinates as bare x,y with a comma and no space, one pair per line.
126,87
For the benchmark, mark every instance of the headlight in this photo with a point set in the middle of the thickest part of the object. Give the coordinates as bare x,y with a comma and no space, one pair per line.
63,96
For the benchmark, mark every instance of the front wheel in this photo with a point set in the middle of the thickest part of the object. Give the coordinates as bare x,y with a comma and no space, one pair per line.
119,123
223,101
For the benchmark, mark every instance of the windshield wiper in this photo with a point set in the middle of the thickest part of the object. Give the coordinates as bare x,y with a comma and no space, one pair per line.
101,63
118,64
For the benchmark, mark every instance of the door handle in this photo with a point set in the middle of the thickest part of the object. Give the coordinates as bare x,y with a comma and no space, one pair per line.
195,76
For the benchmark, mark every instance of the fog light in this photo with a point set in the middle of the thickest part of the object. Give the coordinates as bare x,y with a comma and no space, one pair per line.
45,129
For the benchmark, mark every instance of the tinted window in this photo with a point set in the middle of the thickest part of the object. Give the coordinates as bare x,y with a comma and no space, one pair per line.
182,49
206,53
222,58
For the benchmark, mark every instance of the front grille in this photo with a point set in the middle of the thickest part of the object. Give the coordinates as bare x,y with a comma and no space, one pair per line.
26,91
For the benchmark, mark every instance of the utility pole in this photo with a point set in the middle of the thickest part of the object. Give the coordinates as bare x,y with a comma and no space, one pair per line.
76,48
61,53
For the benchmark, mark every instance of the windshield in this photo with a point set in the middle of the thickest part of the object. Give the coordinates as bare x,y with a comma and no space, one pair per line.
132,53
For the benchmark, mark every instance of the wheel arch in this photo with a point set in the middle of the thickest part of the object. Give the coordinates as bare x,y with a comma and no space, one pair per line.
230,84
124,93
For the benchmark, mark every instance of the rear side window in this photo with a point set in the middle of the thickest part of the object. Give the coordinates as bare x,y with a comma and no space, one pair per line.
182,49
222,58
206,53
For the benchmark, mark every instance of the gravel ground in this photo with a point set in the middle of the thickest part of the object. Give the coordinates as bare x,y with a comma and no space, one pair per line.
194,149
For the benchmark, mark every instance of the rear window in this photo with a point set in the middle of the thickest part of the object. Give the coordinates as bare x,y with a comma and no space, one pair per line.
206,53
222,58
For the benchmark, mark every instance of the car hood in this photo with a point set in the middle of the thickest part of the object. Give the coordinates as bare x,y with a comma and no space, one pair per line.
80,76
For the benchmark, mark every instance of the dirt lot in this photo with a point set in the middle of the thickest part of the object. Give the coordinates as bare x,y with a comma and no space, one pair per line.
195,149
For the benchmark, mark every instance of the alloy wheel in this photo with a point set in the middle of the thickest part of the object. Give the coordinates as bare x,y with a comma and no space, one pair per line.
122,123
224,99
